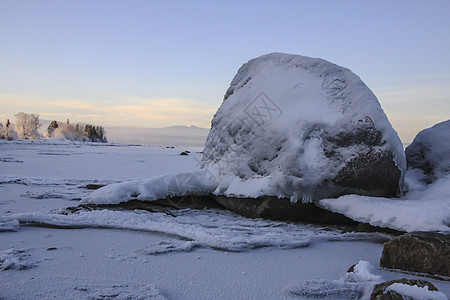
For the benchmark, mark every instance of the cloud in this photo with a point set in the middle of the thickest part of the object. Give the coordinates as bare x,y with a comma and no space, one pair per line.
121,111
407,95
51,115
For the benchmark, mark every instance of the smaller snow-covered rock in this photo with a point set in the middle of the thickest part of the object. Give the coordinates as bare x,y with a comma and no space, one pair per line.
423,252
406,289
362,271
430,151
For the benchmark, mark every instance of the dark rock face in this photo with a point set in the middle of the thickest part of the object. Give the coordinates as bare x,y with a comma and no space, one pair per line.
282,209
370,172
380,293
423,252
430,151
161,205
93,186
189,201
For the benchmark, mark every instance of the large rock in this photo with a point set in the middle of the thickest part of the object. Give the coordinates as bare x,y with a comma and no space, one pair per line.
423,252
301,128
406,289
282,209
430,151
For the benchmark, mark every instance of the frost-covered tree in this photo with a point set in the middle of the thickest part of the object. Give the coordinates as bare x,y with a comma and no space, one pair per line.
51,129
80,132
27,125
7,132
95,133
65,131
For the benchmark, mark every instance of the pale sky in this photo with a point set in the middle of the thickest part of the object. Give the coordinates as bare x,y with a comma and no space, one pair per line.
163,63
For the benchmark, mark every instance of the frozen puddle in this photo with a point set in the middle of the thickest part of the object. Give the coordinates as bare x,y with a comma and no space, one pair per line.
216,229
75,288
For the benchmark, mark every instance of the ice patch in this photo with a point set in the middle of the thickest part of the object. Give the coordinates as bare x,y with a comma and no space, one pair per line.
325,289
164,247
215,229
123,292
49,287
10,159
14,259
43,181
416,292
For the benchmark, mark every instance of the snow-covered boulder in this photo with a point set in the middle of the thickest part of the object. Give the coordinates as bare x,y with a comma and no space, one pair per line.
422,252
301,128
406,289
430,152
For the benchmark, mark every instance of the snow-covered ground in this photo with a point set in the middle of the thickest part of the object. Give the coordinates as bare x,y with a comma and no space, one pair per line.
46,253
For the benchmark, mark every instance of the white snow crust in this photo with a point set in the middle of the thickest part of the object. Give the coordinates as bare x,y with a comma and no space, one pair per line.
416,292
266,137
154,188
224,230
423,209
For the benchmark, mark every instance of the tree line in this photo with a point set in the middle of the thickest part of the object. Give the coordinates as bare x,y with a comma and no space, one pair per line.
26,126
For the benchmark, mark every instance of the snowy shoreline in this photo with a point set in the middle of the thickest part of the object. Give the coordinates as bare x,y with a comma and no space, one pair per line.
163,256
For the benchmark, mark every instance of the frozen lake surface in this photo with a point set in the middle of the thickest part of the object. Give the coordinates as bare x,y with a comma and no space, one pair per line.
48,253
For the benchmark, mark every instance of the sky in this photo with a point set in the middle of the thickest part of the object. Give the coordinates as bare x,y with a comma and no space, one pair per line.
165,63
